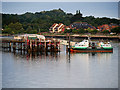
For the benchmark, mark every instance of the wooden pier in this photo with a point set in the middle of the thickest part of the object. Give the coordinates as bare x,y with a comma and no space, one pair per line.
31,45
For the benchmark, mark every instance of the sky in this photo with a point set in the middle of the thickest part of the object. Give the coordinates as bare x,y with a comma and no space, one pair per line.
97,9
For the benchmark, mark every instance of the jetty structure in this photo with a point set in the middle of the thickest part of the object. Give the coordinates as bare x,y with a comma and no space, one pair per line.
31,43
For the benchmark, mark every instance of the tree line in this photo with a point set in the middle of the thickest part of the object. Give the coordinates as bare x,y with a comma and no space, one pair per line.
41,21
83,31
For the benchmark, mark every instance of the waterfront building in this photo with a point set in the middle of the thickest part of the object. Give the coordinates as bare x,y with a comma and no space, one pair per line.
57,28
52,28
107,27
104,27
113,26
83,25
67,27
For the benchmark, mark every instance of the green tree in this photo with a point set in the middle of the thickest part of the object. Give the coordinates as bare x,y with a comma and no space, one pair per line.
81,31
7,30
14,28
116,30
74,31
29,29
93,31
105,32
44,19
33,32
68,31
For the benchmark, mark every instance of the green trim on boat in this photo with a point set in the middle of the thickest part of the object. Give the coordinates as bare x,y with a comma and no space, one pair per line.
107,47
80,47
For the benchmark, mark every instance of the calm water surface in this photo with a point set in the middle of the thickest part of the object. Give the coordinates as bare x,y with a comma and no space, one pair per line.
61,70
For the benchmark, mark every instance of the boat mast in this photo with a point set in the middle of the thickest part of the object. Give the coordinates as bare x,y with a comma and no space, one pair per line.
89,38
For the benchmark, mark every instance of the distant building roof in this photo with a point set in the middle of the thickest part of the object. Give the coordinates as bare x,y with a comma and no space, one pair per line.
83,25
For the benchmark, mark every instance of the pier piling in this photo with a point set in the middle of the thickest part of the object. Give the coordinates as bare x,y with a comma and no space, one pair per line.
31,46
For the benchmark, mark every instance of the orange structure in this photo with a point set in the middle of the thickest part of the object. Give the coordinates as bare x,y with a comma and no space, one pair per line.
107,27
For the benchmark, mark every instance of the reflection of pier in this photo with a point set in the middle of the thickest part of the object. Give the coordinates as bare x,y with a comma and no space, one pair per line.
38,56
31,45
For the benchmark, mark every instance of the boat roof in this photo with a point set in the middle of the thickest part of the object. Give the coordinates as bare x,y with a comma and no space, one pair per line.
32,36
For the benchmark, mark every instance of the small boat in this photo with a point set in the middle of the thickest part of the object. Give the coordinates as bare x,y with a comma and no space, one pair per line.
89,46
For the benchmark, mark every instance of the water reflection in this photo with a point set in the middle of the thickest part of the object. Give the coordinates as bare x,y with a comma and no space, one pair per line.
58,70
88,56
68,57
60,55
38,55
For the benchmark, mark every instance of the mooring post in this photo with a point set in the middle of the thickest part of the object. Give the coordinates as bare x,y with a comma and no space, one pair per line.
21,46
14,46
67,48
59,45
51,45
42,48
30,45
10,46
69,43
45,45
40,45
36,45
54,45
24,48
56,48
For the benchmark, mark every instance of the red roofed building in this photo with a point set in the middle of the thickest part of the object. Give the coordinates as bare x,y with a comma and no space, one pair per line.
107,27
56,28
113,26
104,27
52,28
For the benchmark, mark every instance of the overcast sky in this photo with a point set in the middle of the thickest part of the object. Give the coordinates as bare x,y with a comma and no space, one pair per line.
101,9
59,0
97,10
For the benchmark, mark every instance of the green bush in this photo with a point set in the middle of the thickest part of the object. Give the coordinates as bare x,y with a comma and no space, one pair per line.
68,31
105,32
116,30
94,31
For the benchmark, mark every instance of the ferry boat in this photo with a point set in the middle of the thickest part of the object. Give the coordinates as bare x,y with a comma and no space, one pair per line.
89,46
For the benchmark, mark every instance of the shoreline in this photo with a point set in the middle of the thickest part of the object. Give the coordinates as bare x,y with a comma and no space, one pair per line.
86,36
76,36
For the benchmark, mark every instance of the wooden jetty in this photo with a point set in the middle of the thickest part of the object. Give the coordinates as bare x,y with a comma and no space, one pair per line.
31,45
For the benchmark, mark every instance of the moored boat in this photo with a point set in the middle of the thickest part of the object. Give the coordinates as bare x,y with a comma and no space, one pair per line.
89,46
